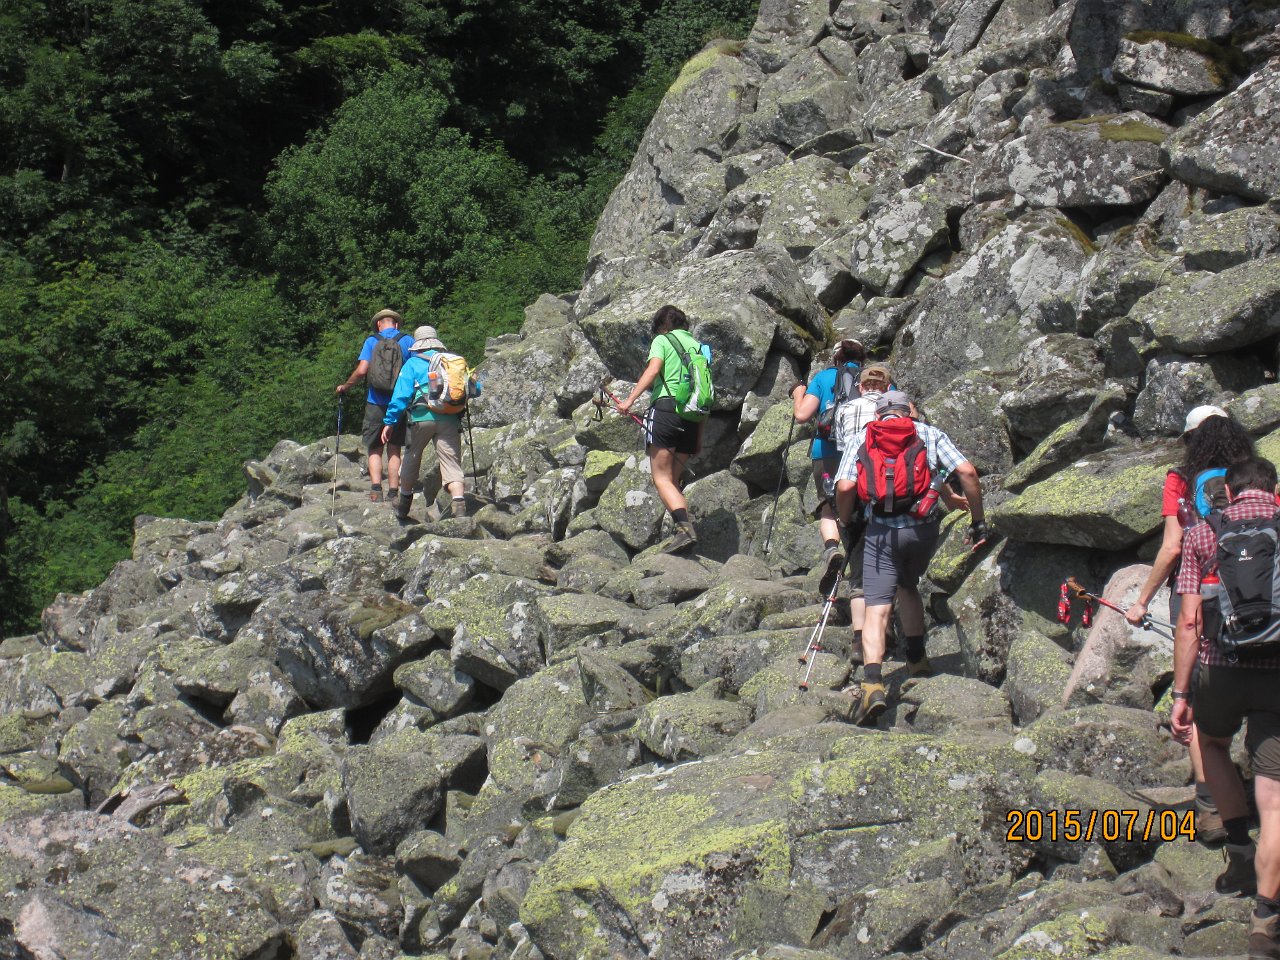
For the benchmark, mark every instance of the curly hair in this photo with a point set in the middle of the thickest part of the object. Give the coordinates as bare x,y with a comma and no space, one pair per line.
1218,442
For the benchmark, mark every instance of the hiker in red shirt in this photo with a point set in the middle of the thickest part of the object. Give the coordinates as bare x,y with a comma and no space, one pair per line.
1212,442
1215,691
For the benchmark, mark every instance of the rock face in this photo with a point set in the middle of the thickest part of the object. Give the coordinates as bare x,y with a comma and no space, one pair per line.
314,732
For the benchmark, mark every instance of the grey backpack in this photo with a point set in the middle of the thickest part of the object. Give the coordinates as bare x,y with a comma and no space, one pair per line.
1243,608
385,364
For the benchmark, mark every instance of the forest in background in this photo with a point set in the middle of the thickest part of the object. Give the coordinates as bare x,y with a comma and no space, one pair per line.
201,204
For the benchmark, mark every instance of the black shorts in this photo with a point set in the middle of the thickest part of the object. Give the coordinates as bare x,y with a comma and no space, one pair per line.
665,428
371,434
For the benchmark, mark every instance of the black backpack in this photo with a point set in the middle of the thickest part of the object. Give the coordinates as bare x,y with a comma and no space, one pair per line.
385,364
1242,609
847,388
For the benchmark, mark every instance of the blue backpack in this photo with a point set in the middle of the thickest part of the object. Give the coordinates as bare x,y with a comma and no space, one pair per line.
1209,492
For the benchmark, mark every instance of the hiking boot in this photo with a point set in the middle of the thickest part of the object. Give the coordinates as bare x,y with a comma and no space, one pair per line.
1239,877
1264,938
1209,828
375,495
459,508
402,509
832,561
685,538
919,668
874,702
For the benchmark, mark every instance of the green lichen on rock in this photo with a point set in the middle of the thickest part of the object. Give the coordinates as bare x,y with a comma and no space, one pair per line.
1071,935
1118,128
1222,61
702,62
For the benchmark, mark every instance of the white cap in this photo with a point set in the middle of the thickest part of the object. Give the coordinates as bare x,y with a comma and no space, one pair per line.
1200,414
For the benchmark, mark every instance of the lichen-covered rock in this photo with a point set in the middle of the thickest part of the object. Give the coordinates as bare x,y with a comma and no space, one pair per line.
689,725
1257,410
566,621
1182,66
718,506
384,809
90,886
948,703
1120,745
1070,441
1057,377
897,233
1219,241
982,315
1110,501
1114,280
737,303
495,635
1201,313
630,509
1037,671
1093,162
437,684
968,411
1174,384
1228,147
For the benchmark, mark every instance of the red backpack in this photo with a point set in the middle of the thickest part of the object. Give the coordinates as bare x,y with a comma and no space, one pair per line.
893,466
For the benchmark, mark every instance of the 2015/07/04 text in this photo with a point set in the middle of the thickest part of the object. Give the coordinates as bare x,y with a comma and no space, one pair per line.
1034,825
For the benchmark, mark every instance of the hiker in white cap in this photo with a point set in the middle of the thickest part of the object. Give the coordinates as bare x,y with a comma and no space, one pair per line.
381,357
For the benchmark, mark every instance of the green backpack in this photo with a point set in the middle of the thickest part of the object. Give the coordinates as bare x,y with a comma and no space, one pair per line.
693,392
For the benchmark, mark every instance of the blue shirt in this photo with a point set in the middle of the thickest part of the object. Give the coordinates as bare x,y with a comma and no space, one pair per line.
823,386
414,374
381,398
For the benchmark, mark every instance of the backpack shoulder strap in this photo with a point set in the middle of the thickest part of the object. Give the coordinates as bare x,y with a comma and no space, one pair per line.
679,348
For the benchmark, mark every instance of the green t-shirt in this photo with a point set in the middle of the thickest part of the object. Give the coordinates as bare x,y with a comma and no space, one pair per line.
672,365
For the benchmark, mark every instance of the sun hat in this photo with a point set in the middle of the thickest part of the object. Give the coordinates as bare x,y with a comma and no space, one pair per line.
385,315
893,400
876,371
1200,414
424,338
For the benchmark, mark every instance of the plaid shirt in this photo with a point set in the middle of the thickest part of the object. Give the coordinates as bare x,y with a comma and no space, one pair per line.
944,456
1199,550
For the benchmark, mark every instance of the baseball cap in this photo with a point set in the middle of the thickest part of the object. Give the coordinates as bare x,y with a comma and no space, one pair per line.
850,349
876,371
893,400
1199,415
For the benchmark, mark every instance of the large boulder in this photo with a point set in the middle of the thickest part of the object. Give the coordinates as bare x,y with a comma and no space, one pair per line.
737,302
982,315
1201,313
1229,147
675,182
519,379
1185,66
1110,501
1057,378
1092,162
1174,384
968,411
896,234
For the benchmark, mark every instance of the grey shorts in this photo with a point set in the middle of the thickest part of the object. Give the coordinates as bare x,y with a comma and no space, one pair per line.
895,557
371,433
1225,697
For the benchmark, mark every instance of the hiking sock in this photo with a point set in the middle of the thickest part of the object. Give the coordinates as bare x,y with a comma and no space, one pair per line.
375,486
915,648
1264,908
392,493
828,544
857,636
1237,831
871,673
680,516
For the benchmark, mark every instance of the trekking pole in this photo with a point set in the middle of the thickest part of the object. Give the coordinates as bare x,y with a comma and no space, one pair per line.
337,448
471,442
1148,622
782,472
606,392
814,646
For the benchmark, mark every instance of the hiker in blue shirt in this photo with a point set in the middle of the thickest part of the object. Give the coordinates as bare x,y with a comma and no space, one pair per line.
807,403
442,429
381,367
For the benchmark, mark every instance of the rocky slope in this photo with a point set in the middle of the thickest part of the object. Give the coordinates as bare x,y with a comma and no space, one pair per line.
307,732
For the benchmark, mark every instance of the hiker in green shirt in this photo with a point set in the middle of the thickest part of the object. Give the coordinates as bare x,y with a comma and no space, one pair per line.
669,439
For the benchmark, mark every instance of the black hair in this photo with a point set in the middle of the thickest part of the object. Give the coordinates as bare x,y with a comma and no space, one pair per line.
858,354
672,316
1218,442
1252,474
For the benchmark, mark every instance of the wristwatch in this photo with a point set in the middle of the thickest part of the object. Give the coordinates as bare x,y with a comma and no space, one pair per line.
1180,694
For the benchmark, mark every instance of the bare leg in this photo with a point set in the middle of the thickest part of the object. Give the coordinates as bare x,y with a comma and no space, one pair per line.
375,465
666,469
1197,761
874,628
1267,862
858,612
455,489
393,466
827,527
1223,779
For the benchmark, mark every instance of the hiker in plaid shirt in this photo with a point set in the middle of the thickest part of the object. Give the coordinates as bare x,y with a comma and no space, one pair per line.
1220,696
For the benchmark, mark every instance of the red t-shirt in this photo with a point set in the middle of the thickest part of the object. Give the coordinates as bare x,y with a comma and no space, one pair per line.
1175,489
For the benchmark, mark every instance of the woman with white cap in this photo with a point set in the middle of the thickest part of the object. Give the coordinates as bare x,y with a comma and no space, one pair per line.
1213,441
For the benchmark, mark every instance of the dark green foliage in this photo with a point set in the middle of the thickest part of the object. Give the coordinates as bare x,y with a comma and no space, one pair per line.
201,204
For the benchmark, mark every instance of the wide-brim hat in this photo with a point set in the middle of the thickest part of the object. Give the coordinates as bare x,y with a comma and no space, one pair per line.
385,315
425,338
1199,415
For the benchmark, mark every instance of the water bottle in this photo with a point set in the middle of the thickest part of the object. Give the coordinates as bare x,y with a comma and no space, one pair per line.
926,504
1187,515
828,486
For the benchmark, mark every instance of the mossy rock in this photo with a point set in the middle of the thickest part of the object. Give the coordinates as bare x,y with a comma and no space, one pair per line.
685,726
1200,313
1119,745
1110,501
1037,672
